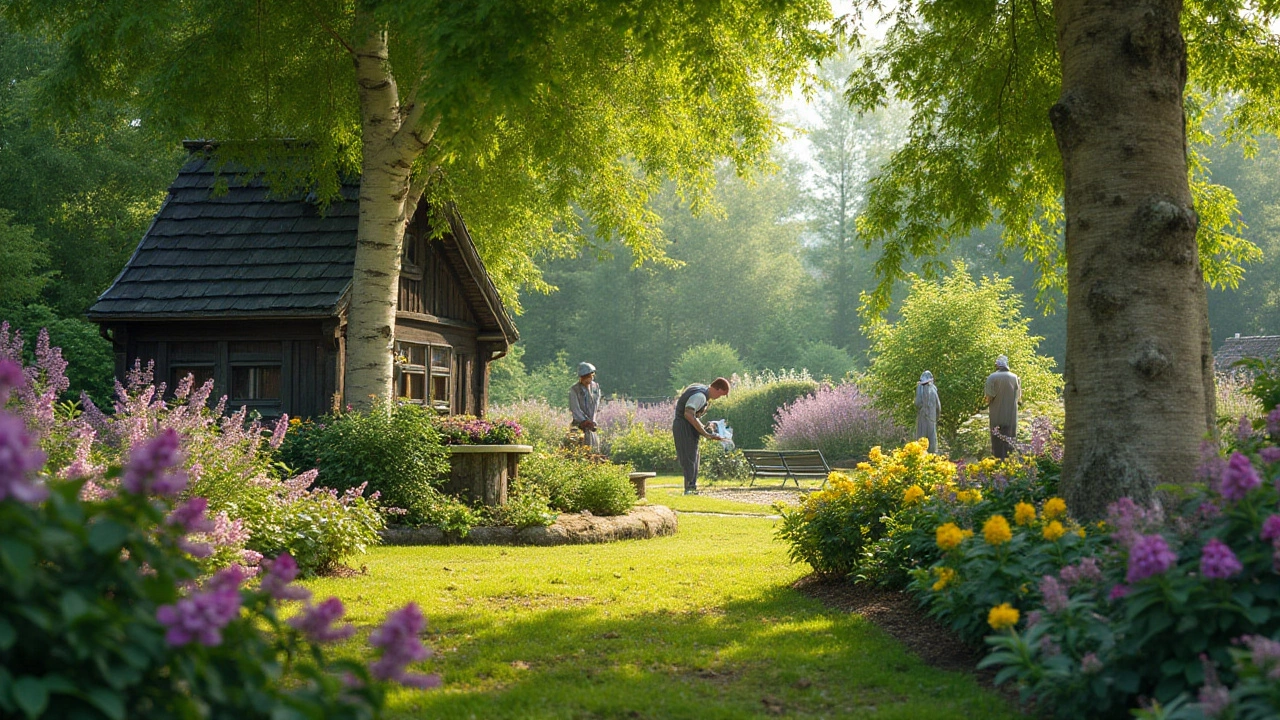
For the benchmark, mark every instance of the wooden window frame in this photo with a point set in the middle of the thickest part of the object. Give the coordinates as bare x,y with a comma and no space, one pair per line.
431,373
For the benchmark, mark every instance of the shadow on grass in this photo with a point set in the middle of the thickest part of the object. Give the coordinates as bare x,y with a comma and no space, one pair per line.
774,654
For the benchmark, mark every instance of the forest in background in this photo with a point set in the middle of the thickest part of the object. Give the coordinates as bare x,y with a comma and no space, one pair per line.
774,273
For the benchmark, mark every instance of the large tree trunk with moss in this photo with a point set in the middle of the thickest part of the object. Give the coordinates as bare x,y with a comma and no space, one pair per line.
1138,370
391,142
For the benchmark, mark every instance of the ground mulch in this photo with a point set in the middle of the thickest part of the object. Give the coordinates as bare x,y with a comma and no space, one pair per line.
759,496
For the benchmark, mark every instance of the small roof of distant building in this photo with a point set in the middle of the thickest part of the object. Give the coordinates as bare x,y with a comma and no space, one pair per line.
1236,348
241,252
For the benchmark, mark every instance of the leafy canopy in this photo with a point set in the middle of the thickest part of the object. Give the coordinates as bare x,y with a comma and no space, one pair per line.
543,109
955,327
981,78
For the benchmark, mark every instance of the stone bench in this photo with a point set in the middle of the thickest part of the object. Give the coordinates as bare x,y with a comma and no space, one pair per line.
638,479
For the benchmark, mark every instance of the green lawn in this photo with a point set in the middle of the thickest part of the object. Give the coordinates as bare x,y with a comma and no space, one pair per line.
698,625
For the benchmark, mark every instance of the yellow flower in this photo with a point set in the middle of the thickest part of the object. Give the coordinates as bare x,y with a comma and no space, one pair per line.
969,497
1024,513
950,536
1080,532
1053,531
996,530
836,476
913,495
864,466
946,576
1054,508
1002,616
875,455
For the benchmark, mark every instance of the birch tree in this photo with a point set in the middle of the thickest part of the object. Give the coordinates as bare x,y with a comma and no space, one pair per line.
1074,123
522,112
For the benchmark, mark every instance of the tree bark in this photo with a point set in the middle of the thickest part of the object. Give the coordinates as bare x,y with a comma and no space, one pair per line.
1136,361
391,142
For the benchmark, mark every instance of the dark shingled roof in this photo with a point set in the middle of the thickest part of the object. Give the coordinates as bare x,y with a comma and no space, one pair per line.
243,253
236,254
1255,346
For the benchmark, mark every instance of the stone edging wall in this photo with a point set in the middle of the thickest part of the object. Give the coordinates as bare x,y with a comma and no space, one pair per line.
639,523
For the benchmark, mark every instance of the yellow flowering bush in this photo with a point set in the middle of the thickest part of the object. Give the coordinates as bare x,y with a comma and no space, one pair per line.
945,576
1054,531
996,530
832,529
950,536
1024,513
1054,507
1002,616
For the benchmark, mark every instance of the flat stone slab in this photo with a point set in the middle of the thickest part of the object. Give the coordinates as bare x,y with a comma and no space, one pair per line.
641,522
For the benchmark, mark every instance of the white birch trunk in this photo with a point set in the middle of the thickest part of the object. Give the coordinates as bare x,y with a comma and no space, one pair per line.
391,143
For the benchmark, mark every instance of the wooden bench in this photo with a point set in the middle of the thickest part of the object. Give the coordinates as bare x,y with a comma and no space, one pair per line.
787,464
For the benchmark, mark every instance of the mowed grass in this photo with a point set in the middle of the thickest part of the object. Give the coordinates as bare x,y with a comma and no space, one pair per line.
699,625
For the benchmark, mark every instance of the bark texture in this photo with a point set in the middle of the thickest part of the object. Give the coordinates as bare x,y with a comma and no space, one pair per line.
1137,359
391,140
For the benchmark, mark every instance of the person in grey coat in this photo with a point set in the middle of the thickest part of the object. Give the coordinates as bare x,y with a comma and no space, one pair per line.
584,401
688,429
1003,394
927,408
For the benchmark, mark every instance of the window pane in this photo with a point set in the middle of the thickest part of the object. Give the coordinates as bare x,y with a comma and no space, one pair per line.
417,354
441,357
439,389
255,383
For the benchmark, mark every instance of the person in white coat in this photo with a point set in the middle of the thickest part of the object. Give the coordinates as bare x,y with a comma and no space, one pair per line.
928,405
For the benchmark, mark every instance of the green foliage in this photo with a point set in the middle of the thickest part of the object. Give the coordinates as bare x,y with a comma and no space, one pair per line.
572,482
544,425
91,368
740,280
80,588
957,172
23,257
395,449
499,97
825,361
751,412
955,328
716,463
645,449
1266,381
704,363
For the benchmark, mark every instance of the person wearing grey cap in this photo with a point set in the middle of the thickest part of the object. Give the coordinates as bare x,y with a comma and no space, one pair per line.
584,401
1003,393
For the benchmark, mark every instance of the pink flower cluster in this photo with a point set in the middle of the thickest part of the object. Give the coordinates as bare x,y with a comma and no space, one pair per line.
1055,595
398,639
1238,478
150,469
201,616
1149,555
1217,562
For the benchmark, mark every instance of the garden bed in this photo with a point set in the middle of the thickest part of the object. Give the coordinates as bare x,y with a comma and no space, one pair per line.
639,523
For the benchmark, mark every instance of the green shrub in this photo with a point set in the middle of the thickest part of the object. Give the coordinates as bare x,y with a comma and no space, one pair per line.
573,481
645,449
319,527
1266,381
716,463
395,449
527,506
751,412
704,363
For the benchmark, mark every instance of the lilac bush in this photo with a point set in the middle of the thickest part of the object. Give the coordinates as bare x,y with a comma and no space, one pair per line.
471,430
105,613
544,425
840,421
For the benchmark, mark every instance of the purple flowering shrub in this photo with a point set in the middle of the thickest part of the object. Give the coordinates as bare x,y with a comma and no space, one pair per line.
840,421
544,425
227,462
1173,592
471,430
105,610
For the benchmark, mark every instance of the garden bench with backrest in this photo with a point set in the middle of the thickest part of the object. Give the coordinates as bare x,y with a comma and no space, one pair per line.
787,464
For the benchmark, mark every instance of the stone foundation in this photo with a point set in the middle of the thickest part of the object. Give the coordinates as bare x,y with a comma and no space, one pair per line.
639,523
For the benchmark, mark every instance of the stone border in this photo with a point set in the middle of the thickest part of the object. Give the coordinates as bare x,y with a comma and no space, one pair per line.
640,523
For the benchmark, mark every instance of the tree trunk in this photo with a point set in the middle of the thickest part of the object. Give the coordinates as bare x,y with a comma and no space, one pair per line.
1136,360
390,142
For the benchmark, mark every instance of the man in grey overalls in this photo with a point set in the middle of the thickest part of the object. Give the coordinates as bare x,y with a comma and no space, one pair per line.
688,429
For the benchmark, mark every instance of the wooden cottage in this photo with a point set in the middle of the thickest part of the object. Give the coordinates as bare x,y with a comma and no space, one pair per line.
252,291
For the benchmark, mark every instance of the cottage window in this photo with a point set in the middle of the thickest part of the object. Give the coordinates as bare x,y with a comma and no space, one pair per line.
424,374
